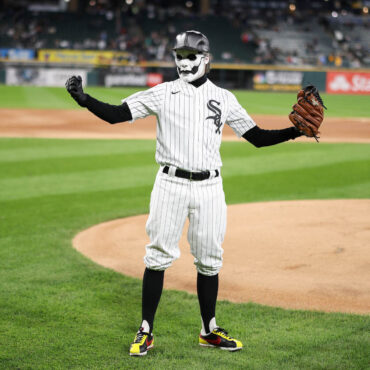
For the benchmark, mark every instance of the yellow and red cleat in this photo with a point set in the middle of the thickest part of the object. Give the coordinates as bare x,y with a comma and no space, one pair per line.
142,342
219,338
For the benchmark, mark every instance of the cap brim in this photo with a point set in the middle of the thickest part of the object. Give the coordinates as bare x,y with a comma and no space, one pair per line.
187,48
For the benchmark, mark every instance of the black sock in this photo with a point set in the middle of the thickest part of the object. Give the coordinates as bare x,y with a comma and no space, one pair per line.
152,290
207,287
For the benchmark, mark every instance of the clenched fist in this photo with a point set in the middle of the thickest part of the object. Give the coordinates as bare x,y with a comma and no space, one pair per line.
74,87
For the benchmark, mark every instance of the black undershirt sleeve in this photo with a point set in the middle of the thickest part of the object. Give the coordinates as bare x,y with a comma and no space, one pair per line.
259,137
108,112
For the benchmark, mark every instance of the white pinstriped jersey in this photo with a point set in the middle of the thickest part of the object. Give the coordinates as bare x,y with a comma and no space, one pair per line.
190,121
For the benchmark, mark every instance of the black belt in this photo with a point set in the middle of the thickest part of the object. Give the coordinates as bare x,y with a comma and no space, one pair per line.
196,176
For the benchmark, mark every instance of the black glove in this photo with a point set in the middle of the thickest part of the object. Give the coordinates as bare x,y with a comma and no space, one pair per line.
74,87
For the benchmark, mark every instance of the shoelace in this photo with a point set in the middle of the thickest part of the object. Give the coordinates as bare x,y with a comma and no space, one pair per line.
224,332
139,336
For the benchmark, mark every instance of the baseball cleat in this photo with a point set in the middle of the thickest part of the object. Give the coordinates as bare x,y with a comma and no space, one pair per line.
142,342
219,338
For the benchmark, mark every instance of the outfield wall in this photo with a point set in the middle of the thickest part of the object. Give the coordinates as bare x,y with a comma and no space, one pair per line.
231,76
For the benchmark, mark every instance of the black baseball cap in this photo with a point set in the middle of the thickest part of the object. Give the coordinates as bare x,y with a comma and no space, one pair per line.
192,40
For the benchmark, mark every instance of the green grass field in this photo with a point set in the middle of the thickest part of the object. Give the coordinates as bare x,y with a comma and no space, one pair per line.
60,310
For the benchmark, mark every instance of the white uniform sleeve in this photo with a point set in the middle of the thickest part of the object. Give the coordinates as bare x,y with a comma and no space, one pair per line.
238,118
146,103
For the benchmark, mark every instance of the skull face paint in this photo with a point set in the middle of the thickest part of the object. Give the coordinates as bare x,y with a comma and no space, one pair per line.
190,64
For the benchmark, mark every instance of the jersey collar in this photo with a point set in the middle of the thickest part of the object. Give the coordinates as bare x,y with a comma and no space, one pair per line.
188,88
200,81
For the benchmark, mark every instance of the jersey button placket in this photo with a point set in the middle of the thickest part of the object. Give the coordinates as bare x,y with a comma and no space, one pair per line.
195,126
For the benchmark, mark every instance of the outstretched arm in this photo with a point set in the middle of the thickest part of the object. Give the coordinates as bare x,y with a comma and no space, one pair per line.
107,112
259,137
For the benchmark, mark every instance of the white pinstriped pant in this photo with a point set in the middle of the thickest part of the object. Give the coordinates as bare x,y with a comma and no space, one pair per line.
174,199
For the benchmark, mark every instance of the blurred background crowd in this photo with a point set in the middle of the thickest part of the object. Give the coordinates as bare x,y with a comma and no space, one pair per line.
280,32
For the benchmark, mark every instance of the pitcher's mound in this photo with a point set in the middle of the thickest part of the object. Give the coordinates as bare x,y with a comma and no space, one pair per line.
292,254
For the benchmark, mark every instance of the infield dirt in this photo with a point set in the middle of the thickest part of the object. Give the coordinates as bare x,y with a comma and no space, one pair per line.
82,124
291,254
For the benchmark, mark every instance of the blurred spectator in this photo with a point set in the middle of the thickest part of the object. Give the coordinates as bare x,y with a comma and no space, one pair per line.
266,32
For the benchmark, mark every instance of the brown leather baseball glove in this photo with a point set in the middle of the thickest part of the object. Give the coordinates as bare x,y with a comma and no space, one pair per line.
308,112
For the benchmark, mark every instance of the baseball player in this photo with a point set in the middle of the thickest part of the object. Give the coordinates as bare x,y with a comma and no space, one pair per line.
191,113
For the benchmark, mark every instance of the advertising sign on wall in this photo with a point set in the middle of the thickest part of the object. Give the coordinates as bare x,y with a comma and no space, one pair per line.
17,54
348,83
129,79
154,79
93,57
41,76
278,80
133,79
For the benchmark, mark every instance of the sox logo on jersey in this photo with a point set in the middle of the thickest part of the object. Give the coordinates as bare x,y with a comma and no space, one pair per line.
217,117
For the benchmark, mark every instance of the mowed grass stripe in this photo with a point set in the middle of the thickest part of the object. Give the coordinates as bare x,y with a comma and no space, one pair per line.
238,158
255,102
60,310
115,95
30,149
47,98
276,103
14,97
55,97
87,181
55,175
319,182
310,182
74,164
58,217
